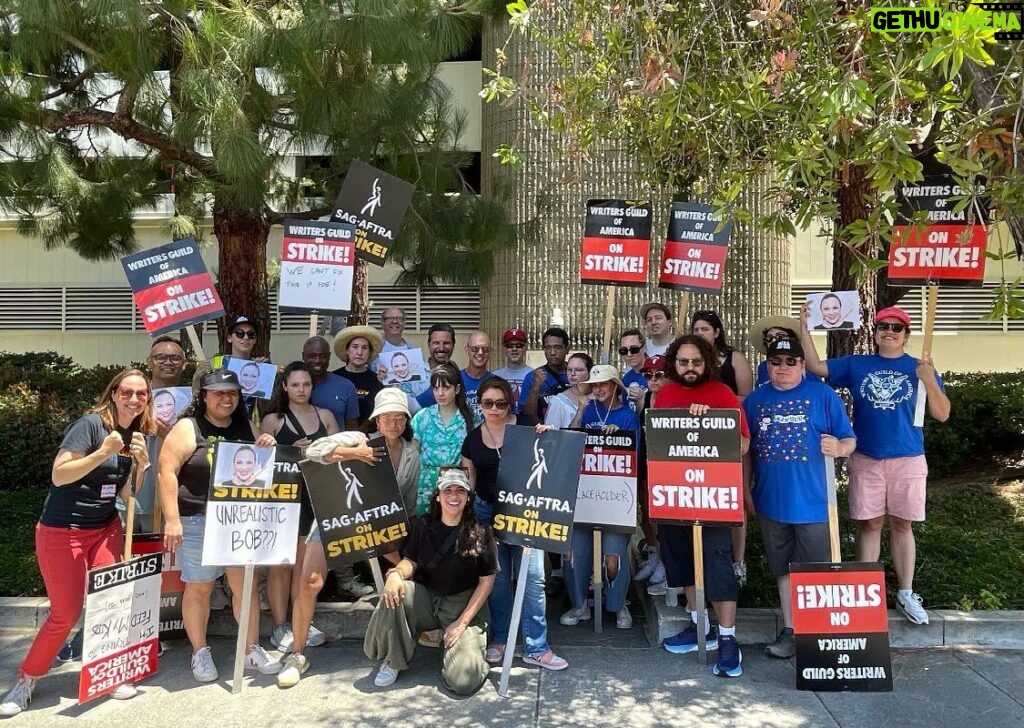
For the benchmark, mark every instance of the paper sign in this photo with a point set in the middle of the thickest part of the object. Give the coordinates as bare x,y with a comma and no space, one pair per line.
616,243
405,367
257,380
317,260
695,250
172,287
172,588
834,311
375,202
607,490
170,402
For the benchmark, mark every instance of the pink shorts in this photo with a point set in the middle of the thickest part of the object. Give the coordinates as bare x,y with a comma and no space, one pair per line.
894,486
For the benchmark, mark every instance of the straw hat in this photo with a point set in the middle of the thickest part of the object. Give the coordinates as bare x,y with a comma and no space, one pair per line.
345,336
601,373
755,334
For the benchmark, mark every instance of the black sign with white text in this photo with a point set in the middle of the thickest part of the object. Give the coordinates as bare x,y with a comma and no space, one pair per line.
375,202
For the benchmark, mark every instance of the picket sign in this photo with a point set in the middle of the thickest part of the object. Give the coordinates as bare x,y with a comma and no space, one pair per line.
684,303
313,322
243,630
130,515
197,345
926,353
606,339
833,508
513,628
598,579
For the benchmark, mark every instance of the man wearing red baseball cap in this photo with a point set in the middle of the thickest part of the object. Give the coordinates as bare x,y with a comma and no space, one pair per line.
515,369
888,472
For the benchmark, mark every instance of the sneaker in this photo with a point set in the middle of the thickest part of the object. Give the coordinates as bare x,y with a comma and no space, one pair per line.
282,638
264,602
910,607
686,641
219,599
729,657
740,570
124,692
295,666
784,645
72,649
258,659
653,562
548,660
430,638
494,653
658,589
203,669
356,588
623,619
386,675
315,637
18,698
575,616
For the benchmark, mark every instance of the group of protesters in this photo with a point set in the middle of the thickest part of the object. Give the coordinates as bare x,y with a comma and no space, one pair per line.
451,584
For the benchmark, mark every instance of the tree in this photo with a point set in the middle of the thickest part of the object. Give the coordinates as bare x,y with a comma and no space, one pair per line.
705,95
106,105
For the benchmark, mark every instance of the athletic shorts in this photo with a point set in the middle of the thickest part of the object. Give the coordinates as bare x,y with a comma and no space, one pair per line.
893,486
786,543
189,555
676,546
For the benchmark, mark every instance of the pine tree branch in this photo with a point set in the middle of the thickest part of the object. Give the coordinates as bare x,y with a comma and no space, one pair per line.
277,218
70,86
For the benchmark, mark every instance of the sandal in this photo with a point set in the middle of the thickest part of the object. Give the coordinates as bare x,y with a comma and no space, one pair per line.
548,660
494,653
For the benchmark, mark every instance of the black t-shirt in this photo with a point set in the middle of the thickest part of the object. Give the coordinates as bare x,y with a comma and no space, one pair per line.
194,475
367,385
486,461
89,501
455,573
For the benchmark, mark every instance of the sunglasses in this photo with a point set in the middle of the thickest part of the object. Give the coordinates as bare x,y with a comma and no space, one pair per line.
127,394
630,350
789,361
496,404
690,362
654,375
168,358
515,345
895,328
480,349
247,334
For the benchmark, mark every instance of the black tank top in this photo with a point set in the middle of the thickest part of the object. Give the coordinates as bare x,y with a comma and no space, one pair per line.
290,435
194,476
727,374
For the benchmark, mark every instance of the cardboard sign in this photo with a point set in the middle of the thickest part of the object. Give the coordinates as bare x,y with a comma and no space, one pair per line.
257,380
121,629
841,627
834,311
538,480
172,588
942,250
694,473
616,243
317,260
255,522
172,287
607,490
375,202
170,402
695,250
358,508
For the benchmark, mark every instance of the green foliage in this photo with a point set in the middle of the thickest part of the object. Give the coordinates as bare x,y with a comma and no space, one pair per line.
19,570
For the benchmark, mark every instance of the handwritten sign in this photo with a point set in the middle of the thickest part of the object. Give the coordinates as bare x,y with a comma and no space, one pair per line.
172,588
695,250
616,243
121,630
607,490
317,260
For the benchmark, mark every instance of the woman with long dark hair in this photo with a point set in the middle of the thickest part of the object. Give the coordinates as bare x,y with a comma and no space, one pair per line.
79,529
733,368
442,582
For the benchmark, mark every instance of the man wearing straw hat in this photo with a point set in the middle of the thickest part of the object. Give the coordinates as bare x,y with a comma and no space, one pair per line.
356,346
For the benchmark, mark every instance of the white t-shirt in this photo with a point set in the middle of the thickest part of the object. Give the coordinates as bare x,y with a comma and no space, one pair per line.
656,349
561,411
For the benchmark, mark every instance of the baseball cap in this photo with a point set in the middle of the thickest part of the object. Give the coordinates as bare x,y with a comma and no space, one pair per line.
513,334
894,312
453,476
654,363
221,379
786,347
235,321
654,305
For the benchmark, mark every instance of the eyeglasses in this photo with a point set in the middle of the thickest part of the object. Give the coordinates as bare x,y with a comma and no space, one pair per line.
480,349
630,350
515,345
128,394
247,334
392,319
495,404
769,337
789,361
655,375
698,362
168,358
895,328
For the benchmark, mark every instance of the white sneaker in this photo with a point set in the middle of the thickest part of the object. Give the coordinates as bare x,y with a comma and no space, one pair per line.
910,607
575,616
258,659
124,692
623,619
219,599
282,638
203,669
18,698
315,637
295,666
386,675
356,588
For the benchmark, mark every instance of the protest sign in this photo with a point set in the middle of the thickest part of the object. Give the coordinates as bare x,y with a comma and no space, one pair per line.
945,248
358,508
252,515
834,311
694,473
607,489
317,260
170,402
404,367
172,287
695,249
256,380
616,243
121,628
538,480
172,588
375,203
841,627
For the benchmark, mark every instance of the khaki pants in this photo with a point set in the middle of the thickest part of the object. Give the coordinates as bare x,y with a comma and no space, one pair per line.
391,635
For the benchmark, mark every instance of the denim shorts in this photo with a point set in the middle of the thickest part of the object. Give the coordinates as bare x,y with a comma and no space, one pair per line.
190,553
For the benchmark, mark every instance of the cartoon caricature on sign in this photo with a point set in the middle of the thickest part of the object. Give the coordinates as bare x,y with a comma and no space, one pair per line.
540,466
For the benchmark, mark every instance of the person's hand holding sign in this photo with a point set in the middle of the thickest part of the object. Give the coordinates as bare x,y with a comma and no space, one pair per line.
830,446
699,410
925,369
363,453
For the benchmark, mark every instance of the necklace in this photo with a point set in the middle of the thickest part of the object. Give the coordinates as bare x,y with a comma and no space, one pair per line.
597,411
494,440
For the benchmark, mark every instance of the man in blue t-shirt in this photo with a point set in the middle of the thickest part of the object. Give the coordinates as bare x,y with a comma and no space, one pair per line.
889,473
478,352
546,381
330,391
794,424
633,350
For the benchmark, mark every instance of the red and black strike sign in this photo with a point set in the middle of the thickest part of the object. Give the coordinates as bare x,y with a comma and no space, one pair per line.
694,472
616,243
943,249
695,250
841,626
172,287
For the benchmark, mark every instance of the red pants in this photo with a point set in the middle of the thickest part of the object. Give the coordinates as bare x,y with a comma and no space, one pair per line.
65,557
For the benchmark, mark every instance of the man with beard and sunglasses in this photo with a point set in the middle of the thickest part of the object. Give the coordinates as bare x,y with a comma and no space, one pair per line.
796,424
692,369
888,474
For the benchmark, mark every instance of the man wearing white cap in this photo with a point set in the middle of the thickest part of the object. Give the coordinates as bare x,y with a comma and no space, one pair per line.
888,473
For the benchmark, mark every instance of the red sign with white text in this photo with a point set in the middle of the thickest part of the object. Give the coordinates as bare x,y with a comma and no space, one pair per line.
690,266
937,254
616,243
838,601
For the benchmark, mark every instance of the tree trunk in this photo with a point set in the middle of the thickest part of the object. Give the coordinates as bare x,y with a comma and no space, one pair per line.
360,310
242,271
856,199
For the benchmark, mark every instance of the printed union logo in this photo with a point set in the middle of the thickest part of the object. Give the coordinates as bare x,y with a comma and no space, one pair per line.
373,201
1003,17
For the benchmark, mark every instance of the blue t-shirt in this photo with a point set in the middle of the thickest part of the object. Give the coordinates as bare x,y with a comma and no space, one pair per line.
884,392
632,376
785,447
596,416
469,383
762,374
552,385
338,395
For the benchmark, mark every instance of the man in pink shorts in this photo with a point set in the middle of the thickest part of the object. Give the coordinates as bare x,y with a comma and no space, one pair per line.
888,472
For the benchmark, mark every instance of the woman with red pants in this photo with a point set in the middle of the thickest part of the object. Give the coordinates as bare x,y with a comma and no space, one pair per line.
79,529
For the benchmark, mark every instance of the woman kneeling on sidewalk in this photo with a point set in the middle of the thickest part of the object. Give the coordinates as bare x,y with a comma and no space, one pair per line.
442,582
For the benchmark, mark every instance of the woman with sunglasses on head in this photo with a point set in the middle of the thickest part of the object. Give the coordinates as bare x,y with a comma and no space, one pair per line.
79,528
440,429
564,406
733,368
481,456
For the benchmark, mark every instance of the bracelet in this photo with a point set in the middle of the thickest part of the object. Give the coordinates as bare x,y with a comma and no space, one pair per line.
393,570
